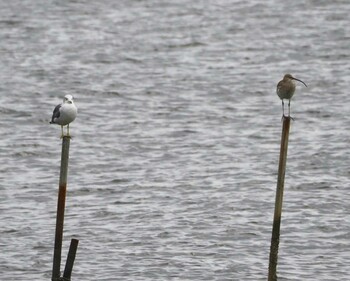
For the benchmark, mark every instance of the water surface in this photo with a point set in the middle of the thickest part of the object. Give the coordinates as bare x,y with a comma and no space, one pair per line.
174,153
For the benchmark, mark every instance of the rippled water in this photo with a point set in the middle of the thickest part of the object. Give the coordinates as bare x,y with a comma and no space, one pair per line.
175,149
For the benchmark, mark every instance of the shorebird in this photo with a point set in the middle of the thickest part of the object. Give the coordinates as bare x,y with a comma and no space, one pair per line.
286,89
64,113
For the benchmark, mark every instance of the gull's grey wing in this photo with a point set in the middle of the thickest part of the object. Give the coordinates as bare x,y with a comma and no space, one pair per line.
56,113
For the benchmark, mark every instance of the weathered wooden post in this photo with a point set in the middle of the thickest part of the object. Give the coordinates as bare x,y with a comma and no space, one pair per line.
279,200
70,259
56,274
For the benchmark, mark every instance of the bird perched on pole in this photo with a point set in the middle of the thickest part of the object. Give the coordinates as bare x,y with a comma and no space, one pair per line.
286,89
65,113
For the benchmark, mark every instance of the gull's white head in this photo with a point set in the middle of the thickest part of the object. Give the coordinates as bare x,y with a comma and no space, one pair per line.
68,99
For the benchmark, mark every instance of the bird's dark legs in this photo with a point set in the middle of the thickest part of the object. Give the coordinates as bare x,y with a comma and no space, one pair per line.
284,116
289,111
68,130
289,108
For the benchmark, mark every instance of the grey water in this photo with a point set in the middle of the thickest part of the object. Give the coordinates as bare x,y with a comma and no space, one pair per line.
174,155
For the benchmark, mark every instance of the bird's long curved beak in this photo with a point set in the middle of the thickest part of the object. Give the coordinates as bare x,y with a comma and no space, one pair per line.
299,81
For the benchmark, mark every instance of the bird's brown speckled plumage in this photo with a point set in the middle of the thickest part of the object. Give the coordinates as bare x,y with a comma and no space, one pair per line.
286,88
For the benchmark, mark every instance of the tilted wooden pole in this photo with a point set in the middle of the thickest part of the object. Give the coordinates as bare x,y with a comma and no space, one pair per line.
70,259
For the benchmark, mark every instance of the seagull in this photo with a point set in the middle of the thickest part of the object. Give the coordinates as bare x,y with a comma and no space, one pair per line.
64,113
286,89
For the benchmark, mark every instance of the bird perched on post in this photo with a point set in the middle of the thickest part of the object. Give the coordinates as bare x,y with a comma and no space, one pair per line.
64,113
286,89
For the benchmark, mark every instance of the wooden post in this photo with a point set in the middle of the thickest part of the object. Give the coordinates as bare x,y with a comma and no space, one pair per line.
279,200
60,209
70,259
